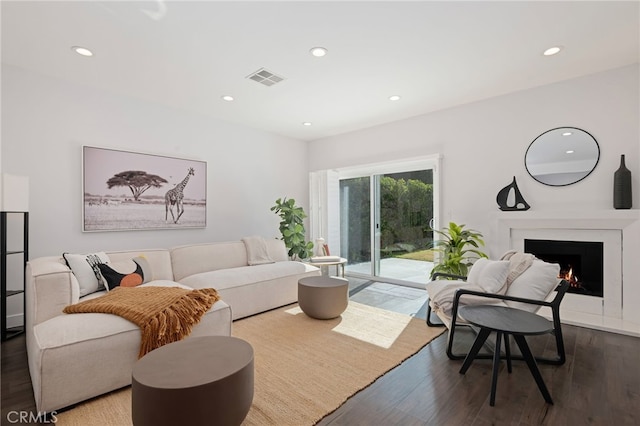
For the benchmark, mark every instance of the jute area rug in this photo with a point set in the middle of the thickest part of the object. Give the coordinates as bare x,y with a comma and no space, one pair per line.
304,368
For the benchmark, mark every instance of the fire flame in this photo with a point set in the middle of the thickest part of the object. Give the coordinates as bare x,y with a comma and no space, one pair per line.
568,275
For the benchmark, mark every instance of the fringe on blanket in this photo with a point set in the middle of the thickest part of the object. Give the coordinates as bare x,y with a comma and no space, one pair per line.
176,321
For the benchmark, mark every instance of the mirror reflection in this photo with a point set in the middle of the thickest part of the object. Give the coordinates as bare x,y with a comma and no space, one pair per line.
562,156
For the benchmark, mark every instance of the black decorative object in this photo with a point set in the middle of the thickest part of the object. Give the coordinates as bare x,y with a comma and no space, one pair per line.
622,187
503,196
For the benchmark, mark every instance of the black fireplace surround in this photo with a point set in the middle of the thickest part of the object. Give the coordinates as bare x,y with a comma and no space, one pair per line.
581,262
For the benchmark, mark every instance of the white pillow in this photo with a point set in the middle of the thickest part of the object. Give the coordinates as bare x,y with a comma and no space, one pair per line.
535,283
490,275
84,267
257,253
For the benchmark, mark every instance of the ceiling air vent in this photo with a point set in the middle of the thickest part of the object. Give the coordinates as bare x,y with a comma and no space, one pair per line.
265,77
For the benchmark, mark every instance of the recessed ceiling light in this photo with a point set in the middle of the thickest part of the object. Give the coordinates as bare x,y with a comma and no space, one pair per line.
567,134
552,51
570,151
306,123
82,51
318,52
227,98
394,98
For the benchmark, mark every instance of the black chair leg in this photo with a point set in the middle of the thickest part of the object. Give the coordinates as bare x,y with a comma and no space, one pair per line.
557,331
507,352
429,322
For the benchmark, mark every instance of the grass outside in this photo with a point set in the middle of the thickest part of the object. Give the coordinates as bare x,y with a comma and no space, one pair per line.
424,255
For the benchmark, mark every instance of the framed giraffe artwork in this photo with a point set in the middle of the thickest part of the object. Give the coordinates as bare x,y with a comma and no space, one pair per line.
125,191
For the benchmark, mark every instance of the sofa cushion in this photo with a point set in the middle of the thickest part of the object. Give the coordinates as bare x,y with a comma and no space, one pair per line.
86,271
234,277
197,258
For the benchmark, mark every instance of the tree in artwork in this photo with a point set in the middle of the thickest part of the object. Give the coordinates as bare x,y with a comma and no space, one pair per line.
137,181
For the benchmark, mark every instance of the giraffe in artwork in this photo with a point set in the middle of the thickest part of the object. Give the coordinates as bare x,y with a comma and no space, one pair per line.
174,196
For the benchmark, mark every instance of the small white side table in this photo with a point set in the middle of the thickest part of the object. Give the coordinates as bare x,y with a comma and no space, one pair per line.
324,266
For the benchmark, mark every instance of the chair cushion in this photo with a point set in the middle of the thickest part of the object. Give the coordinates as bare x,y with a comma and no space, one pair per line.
540,279
490,275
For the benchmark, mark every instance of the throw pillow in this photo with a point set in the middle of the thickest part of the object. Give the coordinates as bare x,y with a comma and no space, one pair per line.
476,270
490,275
123,274
85,268
535,283
257,253
147,273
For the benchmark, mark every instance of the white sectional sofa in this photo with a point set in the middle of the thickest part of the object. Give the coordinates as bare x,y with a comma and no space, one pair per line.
74,357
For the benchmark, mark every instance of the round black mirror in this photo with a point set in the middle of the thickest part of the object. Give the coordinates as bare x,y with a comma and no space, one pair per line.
562,156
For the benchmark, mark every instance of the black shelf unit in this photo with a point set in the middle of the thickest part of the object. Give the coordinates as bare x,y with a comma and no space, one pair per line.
8,333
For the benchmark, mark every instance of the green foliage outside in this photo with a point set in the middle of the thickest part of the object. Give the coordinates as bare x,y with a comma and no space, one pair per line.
292,228
406,207
458,247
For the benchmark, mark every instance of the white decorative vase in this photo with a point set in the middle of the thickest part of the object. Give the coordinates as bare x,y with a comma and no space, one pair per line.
317,248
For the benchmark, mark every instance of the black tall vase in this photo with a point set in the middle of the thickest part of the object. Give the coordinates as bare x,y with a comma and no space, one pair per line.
622,187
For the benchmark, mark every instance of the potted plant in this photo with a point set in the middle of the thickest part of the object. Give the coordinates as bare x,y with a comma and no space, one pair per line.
458,247
292,228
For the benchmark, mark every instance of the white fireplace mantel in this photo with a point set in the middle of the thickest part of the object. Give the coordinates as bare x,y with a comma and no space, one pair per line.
508,228
582,219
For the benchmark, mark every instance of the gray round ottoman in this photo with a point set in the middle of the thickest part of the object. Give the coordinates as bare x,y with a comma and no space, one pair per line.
323,297
197,381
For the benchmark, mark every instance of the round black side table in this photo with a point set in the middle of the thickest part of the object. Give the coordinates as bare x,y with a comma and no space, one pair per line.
505,321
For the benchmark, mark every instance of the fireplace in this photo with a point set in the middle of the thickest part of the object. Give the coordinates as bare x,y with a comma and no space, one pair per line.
586,225
581,262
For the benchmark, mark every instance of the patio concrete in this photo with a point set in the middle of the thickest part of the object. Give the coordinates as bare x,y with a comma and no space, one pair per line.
416,271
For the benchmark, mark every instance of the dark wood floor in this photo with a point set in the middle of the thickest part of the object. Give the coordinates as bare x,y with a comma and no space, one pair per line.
598,385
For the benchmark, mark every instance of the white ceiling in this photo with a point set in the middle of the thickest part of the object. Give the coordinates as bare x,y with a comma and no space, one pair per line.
434,54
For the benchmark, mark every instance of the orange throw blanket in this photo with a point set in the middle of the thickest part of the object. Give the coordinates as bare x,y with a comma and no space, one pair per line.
164,314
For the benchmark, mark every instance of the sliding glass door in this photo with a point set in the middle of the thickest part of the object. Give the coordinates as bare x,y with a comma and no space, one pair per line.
404,210
355,224
386,224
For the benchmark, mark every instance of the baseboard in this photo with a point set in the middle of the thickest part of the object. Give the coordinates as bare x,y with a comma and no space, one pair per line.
16,320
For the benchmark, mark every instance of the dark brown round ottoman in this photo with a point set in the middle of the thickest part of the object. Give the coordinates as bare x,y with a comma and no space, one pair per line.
323,297
197,381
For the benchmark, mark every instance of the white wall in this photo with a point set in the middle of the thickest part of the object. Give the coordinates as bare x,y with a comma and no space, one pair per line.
483,145
46,121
